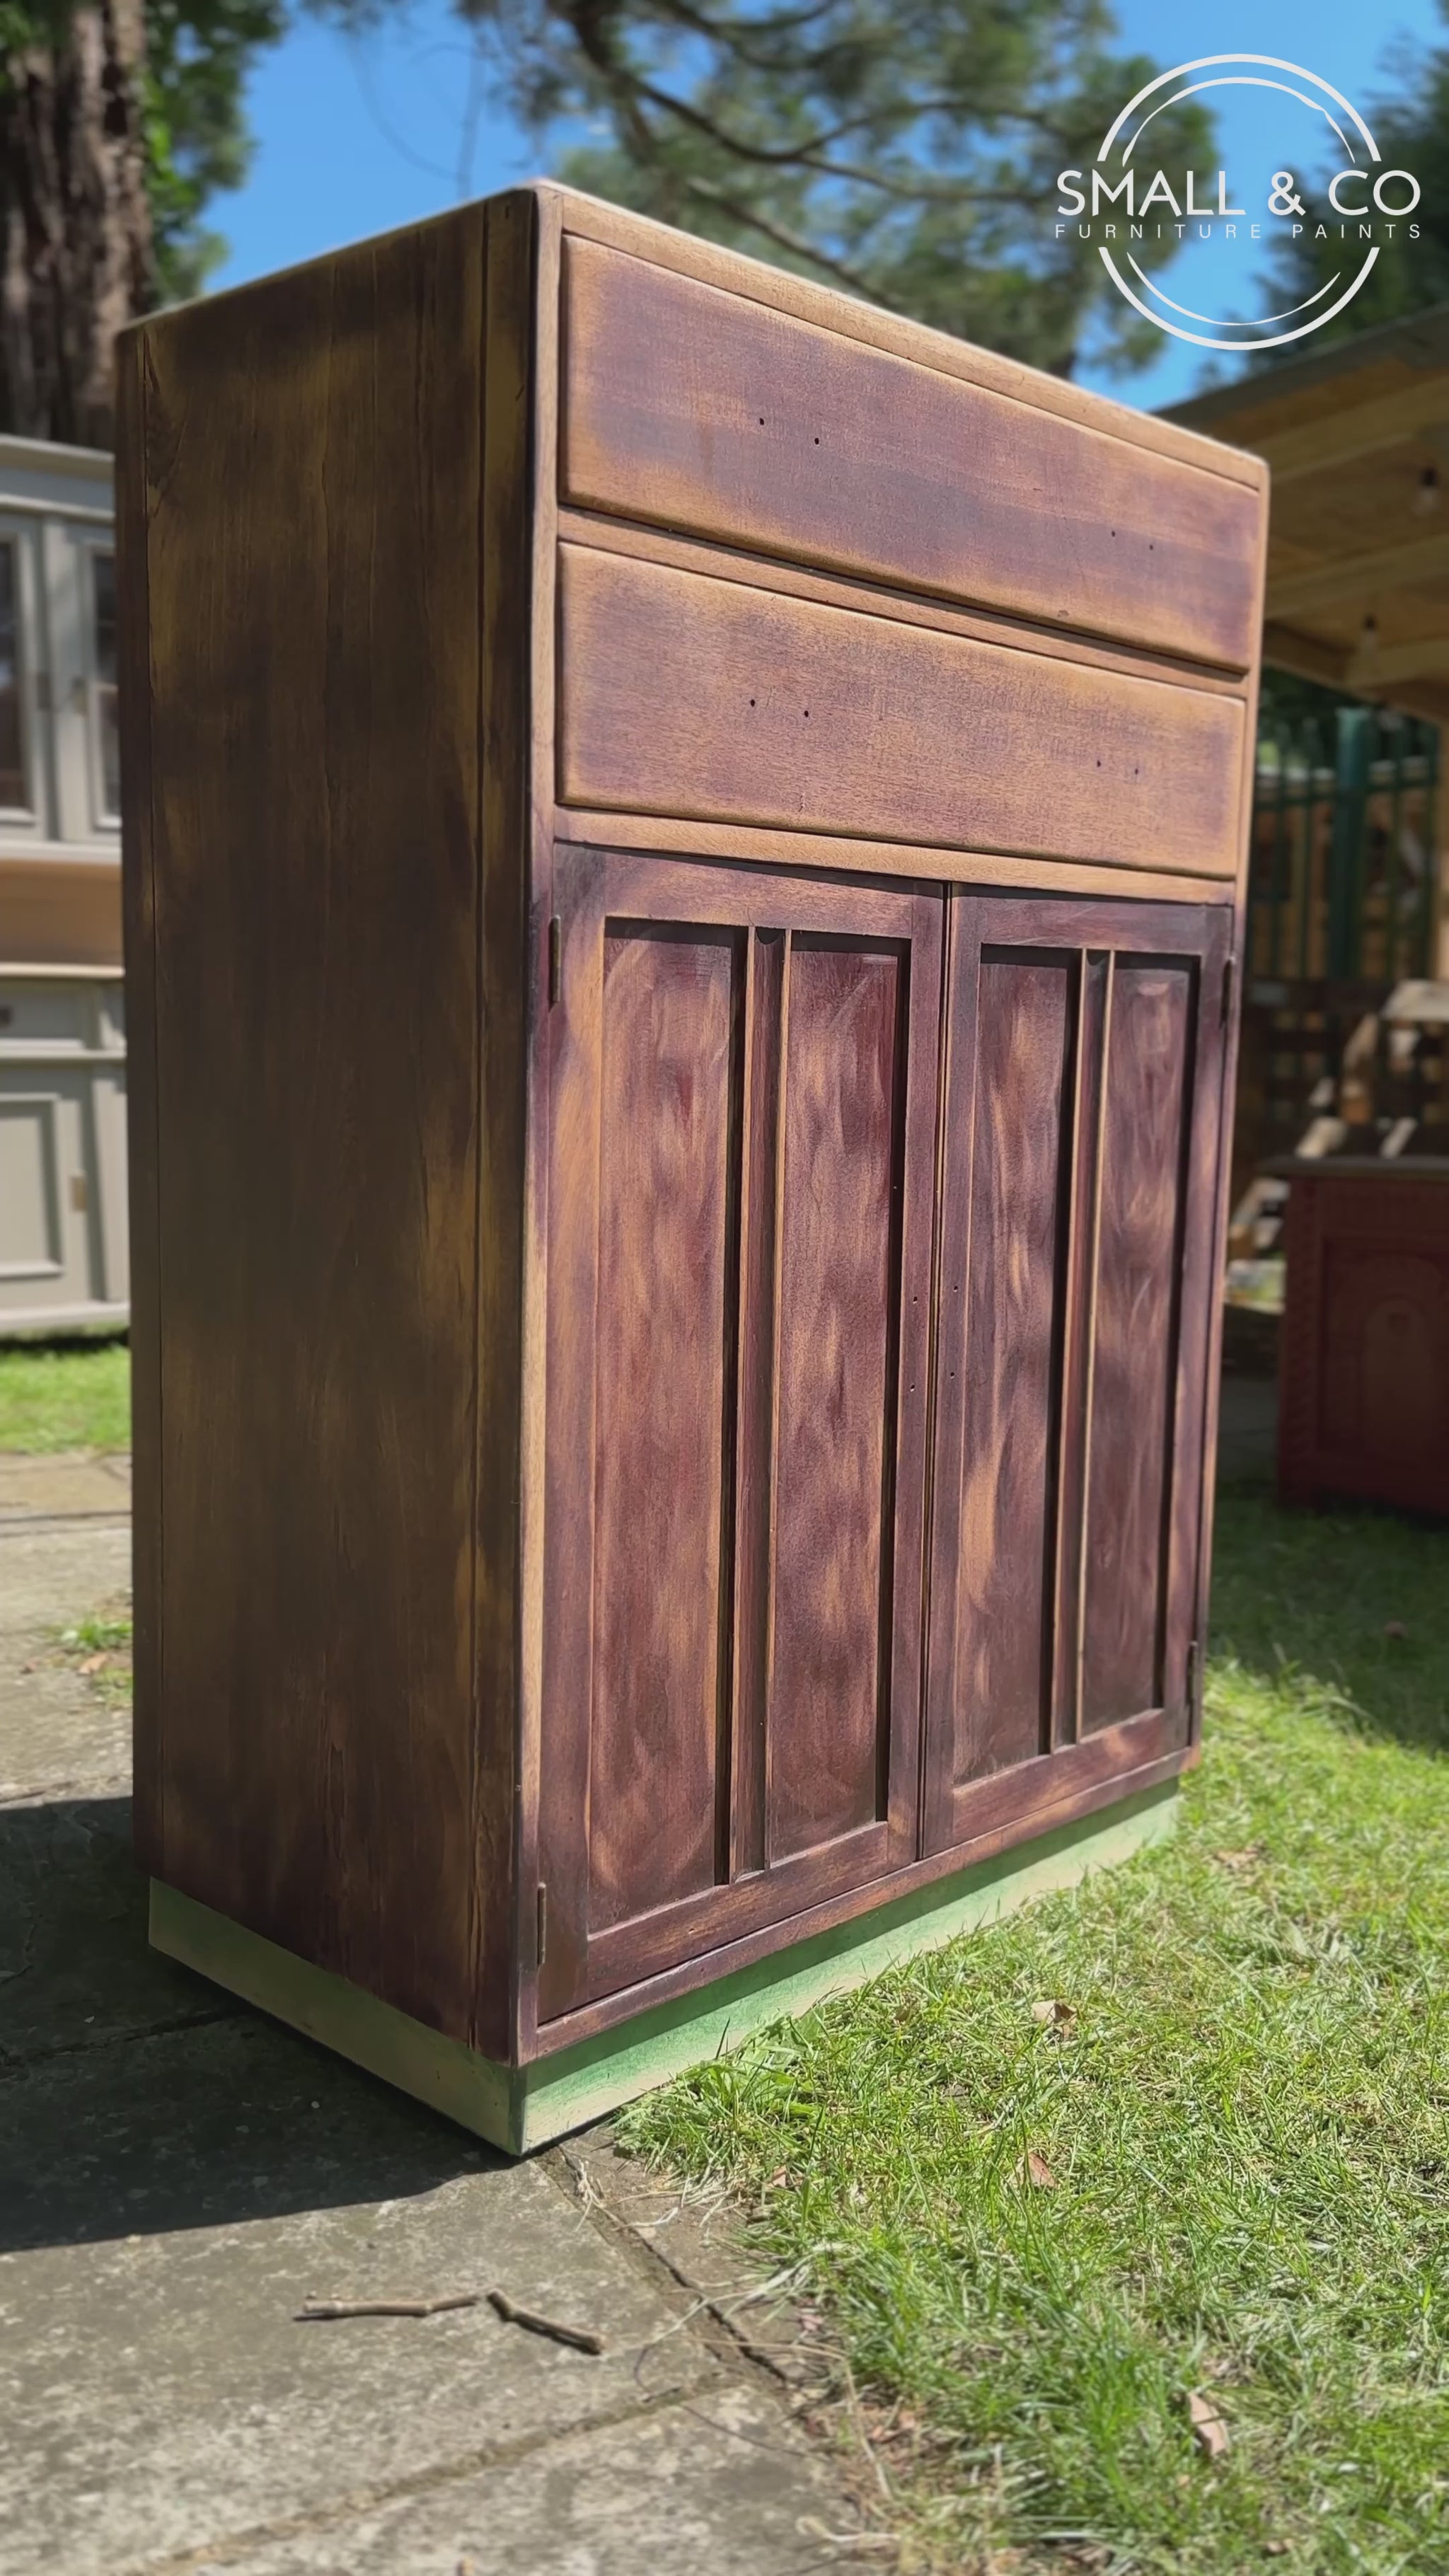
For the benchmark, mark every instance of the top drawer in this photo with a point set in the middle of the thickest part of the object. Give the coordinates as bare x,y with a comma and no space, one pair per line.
702,411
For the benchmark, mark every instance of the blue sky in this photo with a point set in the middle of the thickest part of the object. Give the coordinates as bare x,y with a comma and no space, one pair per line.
355,135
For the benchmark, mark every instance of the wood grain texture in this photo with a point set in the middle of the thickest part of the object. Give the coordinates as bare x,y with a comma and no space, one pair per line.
754,845
697,409
669,1074
1076,1283
313,471
911,608
785,291
743,1088
841,1196
143,1101
1146,1087
687,696
511,1105
1108,1769
534,1339
756,1393
1013,1259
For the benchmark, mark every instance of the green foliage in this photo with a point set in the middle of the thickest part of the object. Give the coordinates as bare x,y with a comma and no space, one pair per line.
905,149
73,1395
1411,128
1246,2116
198,54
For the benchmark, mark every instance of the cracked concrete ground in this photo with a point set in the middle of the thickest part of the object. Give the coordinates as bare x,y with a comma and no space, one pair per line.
177,2175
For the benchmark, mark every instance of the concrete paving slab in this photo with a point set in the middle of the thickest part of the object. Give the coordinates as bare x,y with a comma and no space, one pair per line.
58,1737
75,1967
94,1484
717,2483
178,2174
169,2205
51,1573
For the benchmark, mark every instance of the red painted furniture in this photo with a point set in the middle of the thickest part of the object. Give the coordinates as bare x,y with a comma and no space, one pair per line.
1364,1394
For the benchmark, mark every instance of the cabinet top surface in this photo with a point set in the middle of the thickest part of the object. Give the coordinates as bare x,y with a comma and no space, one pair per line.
690,255
850,317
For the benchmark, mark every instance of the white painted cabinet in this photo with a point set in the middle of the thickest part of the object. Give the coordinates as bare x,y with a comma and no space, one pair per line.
63,1257
63,1250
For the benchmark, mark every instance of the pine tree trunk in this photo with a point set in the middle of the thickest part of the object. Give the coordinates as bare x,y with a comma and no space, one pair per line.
76,259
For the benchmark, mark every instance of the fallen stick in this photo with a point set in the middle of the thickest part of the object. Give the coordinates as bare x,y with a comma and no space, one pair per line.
323,2311
580,2338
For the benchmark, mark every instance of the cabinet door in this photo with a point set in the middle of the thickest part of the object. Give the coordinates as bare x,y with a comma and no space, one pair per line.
742,1135
1078,1260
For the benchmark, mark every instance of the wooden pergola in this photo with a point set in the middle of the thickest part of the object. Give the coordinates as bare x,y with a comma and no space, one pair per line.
1358,564
1357,440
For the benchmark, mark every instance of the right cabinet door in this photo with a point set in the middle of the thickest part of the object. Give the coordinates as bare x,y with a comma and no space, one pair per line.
1078,1261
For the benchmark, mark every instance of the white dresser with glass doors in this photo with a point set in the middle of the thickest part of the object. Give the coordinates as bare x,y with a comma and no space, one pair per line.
63,1261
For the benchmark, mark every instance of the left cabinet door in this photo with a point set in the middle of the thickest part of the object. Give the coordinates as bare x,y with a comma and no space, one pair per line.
742,1133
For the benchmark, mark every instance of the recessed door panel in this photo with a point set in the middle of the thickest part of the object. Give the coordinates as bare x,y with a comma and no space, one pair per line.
664,1244
1077,1266
1020,1152
742,1128
1134,1313
830,1672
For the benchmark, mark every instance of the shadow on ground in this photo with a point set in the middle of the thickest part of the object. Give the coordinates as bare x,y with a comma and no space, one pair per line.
1353,1597
150,2100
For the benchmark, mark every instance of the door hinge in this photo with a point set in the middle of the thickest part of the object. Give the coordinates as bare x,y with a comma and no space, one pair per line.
555,959
1227,989
1194,1683
542,1922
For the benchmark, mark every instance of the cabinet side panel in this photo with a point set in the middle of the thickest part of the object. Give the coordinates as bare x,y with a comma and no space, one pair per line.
1134,1357
1013,1301
839,1213
510,1230
313,448
667,1147
138,897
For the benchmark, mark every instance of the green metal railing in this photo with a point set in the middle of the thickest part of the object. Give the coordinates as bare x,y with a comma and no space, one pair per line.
1343,873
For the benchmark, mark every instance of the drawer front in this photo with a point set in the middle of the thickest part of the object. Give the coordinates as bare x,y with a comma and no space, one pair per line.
702,411
705,699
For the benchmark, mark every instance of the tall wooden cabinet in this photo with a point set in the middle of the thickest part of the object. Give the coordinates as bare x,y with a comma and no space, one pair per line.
673,1400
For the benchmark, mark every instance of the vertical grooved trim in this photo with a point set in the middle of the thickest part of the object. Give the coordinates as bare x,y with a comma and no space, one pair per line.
1089,1328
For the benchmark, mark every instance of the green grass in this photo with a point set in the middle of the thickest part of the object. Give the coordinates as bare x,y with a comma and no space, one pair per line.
100,1648
75,1395
1246,2116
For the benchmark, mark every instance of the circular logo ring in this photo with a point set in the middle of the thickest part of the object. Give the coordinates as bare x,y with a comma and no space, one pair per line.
1233,71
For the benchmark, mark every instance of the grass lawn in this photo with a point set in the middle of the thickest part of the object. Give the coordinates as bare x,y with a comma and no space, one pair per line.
1240,2108
66,1395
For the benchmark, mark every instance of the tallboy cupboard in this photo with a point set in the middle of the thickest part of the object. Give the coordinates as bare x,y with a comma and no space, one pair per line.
684,840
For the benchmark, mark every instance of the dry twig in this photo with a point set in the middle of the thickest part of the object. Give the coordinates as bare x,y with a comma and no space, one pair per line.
580,2338
326,2311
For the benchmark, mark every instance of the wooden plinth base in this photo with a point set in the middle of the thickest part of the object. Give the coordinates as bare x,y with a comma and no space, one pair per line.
521,2107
